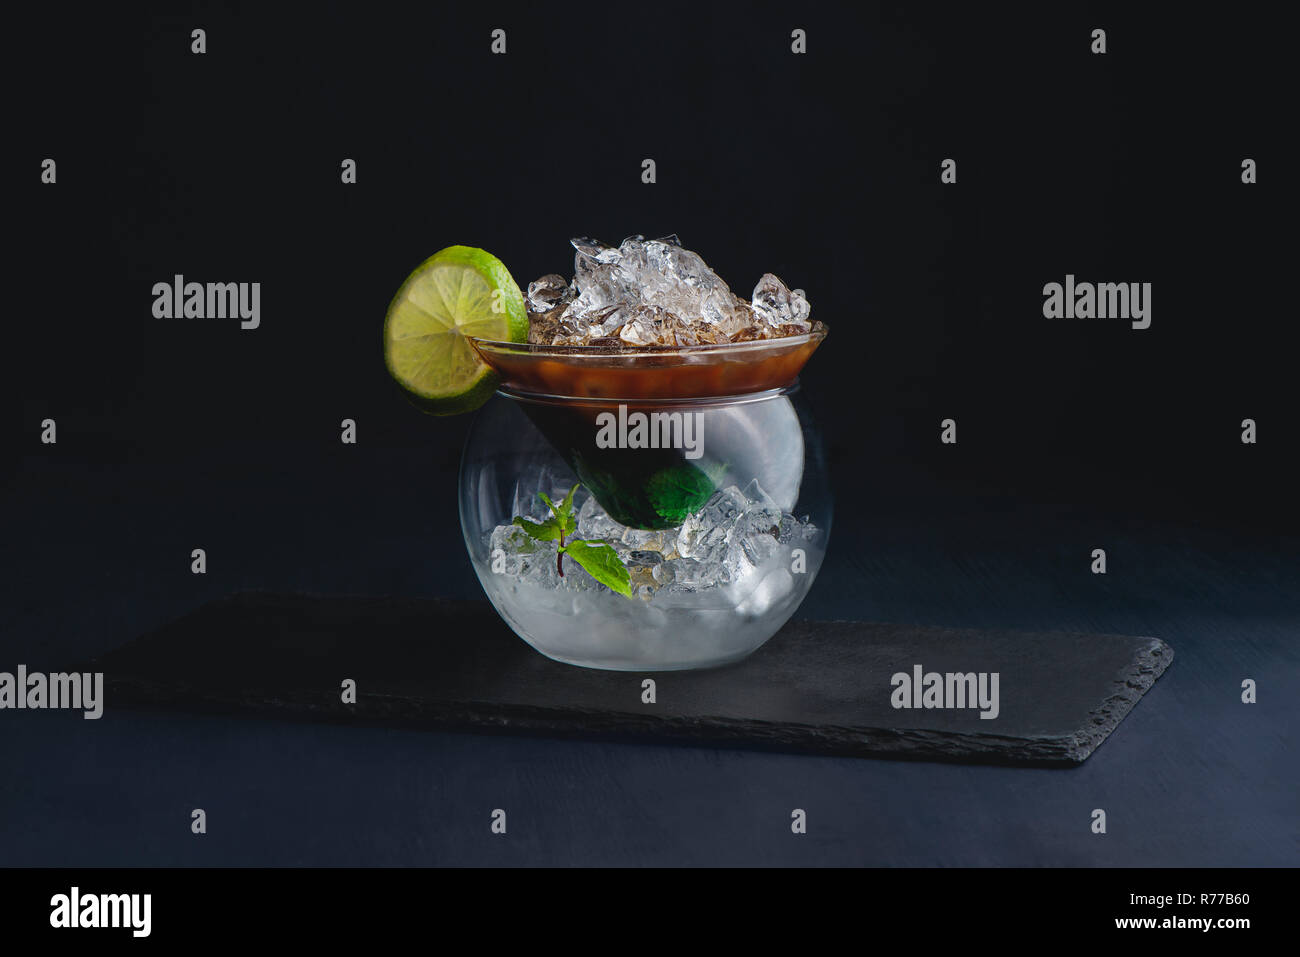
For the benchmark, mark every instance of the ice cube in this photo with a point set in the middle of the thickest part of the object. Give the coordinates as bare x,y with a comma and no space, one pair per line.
718,310
702,542
757,532
545,327
664,274
546,293
641,566
597,280
775,585
757,495
650,326
512,548
723,508
789,530
794,531
513,553
575,330
663,541
607,321
594,250
656,293
704,536
748,550
778,307
599,288
594,523
689,575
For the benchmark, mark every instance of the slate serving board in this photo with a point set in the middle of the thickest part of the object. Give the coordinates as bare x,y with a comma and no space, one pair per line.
818,686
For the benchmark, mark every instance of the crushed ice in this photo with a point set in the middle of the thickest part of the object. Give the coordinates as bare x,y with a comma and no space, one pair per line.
734,535
655,292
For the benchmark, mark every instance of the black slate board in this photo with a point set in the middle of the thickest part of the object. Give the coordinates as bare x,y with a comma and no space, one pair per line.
819,687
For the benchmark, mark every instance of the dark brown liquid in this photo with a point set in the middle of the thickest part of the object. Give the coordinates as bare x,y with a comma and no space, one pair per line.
737,370
638,487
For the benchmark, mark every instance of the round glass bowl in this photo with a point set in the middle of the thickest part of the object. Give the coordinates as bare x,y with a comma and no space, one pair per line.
717,504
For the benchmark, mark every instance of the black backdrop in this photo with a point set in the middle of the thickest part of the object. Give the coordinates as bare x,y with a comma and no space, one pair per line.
823,168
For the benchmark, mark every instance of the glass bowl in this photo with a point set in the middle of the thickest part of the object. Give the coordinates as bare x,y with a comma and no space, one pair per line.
716,502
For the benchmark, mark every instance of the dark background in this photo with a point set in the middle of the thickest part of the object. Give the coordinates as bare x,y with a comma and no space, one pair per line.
822,168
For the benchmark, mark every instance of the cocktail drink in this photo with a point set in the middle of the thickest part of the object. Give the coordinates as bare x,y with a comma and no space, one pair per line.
645,491
631,426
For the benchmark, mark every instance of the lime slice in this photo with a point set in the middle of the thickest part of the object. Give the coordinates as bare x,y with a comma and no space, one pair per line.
458,292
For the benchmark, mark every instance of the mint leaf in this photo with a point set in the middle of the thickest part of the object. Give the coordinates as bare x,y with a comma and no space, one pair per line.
565,514
679,491
598,558
542,531
602,563
562,514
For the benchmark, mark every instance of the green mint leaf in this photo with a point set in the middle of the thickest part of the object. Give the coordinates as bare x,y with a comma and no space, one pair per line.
542,531
679,491
562,514
602,563
568,523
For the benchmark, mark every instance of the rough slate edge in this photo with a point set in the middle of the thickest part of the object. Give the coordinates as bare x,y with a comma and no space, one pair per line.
1149,664
718,732
709,731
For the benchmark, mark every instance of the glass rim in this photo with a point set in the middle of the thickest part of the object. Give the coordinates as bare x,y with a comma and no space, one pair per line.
603,401
606,352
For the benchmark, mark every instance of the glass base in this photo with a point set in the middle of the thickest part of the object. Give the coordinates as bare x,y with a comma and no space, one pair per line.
606,631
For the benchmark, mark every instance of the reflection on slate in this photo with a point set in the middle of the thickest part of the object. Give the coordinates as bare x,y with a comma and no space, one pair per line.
819,687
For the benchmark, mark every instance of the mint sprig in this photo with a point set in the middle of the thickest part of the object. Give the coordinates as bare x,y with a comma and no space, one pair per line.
599,559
